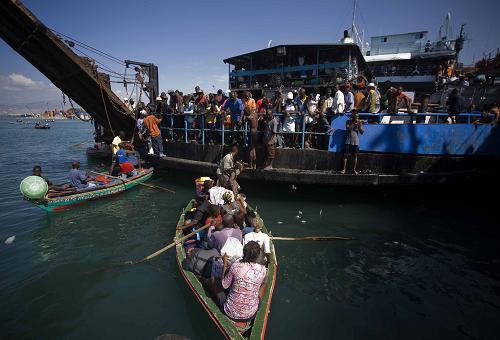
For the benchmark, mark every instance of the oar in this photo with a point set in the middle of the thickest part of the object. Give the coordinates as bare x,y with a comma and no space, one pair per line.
164,249
149,257
145,184
310,238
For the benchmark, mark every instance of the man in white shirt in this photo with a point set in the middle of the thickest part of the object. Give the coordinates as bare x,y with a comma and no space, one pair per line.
215,195
338,101
261,238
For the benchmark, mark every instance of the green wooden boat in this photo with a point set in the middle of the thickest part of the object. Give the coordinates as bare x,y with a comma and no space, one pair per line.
230,330
114,187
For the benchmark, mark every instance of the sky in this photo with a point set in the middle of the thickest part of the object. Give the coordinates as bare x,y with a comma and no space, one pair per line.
189,39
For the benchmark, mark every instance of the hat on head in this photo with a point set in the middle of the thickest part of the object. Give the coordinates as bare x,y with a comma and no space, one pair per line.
371,85
289,95
158,98
125,99
227,196
219,91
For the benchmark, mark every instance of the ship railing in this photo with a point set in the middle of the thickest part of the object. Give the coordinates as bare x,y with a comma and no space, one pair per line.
222,134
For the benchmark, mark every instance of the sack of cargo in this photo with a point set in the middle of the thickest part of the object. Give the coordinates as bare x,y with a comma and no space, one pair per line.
199,261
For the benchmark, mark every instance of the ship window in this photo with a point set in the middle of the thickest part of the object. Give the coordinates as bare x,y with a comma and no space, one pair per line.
384,39
421,35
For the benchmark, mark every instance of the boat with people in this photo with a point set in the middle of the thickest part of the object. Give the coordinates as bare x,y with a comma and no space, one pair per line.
230,328
43,126
105,186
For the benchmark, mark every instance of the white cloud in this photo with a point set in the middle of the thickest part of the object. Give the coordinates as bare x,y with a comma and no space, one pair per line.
18,88
19,81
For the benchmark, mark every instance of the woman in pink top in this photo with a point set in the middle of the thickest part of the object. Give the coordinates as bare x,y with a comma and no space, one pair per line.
246,280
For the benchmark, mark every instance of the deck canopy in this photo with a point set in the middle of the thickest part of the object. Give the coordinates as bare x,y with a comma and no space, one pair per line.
289,66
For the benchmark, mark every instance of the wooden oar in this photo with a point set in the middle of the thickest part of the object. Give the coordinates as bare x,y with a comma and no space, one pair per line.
164,249
310,238
126,180
149,257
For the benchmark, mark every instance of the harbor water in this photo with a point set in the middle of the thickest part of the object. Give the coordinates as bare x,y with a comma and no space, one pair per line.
424,262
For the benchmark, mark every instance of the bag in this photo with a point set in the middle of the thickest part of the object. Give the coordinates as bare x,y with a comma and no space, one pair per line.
199,261
232,248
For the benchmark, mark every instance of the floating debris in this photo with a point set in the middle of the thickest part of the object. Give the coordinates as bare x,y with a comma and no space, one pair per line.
297,216
279,222
294,187
10,240
320,212
303,221
300,212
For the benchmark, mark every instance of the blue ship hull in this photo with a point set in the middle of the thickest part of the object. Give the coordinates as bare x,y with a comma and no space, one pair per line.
421,139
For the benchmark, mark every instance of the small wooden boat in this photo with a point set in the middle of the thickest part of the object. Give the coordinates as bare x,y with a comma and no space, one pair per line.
42,126
99,153
229,328
113,187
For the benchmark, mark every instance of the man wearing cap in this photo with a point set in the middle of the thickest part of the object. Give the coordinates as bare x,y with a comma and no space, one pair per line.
234,105
372,102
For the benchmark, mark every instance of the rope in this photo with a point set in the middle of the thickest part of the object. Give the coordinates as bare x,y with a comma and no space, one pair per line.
75,112
105,108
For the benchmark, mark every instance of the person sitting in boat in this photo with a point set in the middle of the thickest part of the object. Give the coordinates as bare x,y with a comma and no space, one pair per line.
218,238
79,178
246,282
261,238
216,193
237,207
199,213
65,188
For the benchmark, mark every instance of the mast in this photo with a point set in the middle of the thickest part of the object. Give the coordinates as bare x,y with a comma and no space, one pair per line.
353,27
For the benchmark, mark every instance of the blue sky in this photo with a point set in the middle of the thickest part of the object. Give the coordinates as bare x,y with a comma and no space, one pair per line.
189,39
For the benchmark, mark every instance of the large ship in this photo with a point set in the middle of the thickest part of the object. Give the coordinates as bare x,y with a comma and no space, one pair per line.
397,149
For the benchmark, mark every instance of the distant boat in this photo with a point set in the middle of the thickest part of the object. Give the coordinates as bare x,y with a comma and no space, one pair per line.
41,125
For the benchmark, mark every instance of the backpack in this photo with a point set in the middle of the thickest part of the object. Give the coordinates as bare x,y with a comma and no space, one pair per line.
199,261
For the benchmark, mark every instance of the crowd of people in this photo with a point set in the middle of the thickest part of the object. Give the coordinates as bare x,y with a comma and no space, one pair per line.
200,115
231,256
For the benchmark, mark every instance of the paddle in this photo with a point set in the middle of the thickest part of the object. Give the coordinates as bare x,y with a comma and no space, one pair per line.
149,257
145,184
310,238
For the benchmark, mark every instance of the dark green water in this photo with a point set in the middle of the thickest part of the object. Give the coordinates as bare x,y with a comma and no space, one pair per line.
425,263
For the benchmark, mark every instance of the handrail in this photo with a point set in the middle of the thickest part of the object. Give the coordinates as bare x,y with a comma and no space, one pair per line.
221,130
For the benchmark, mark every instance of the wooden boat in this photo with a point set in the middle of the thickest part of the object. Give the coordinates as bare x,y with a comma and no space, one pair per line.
98,153
42,126
115,186
229,328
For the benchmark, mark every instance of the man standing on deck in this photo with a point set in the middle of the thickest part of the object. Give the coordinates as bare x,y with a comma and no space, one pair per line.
251,117
269,139
234,105
151,123
338,106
